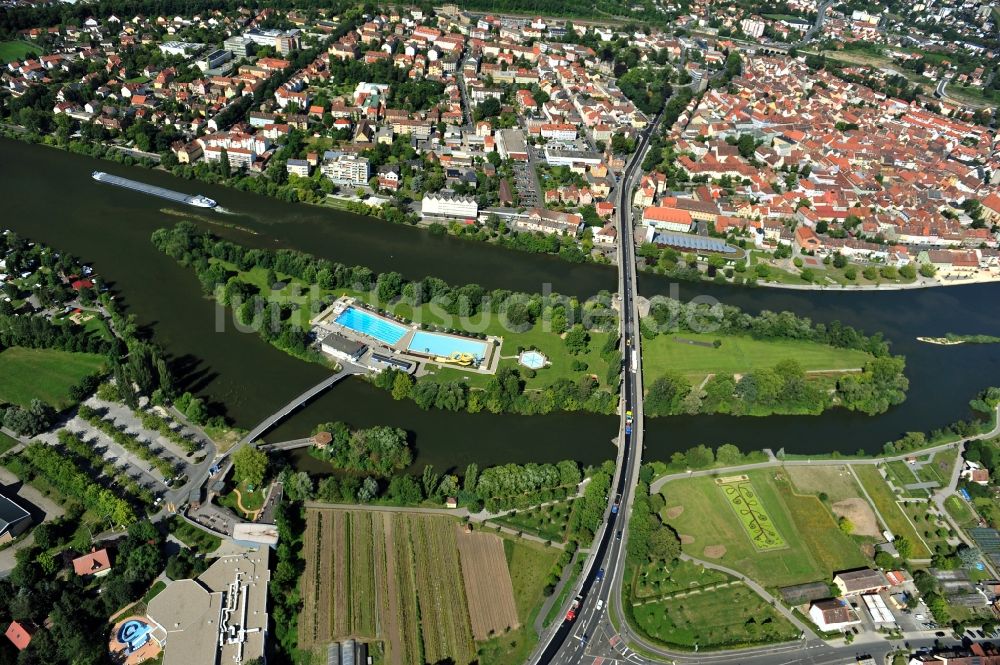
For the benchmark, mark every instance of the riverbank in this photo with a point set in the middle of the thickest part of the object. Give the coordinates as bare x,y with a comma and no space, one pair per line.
243,376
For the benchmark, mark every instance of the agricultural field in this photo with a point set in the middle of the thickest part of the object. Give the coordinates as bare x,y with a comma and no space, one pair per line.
547,522
45,374
710,529
740,495
737,355
529,565
886,505
398,578
727,616
488,588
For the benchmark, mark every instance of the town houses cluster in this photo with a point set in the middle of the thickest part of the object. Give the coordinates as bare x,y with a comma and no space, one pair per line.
833,167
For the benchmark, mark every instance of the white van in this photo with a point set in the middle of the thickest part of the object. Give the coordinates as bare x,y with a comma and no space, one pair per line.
600,605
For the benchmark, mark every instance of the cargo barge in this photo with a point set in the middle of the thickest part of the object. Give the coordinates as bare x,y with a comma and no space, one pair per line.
197,200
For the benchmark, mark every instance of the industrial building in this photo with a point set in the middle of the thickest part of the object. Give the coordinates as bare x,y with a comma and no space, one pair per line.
220,617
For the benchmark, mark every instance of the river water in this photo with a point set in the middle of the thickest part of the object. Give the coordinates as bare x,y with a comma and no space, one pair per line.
49,196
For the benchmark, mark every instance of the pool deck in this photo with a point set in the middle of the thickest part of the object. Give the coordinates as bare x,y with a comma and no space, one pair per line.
326,321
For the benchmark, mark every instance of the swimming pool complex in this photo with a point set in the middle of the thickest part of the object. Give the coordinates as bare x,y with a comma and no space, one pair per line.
444,345
369,324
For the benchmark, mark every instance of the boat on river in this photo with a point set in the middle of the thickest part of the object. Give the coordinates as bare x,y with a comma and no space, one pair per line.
196,200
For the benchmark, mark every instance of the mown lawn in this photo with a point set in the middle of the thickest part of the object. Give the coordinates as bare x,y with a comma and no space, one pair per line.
45,374
885,504
960,511
16,50
738,355
815,545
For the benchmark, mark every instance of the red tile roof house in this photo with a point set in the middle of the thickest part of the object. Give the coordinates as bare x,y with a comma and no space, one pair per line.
19,635
97,564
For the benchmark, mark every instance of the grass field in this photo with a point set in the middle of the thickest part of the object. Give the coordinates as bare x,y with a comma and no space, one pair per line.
6,443
885,504
738,355
940,467
960,511
933,529
45,374
548,522
815,545
729,616
834,481
16,50
743,499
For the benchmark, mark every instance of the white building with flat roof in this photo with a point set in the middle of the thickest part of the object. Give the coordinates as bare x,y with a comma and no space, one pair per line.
446,204
347,170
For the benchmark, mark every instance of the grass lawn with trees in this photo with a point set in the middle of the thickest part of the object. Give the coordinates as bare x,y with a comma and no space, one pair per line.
726,617
529,564
885,504
548,522
816,547
16,50
45,374
737,355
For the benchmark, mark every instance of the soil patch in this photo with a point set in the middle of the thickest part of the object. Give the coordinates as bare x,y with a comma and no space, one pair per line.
674,512
686,539
715,551
860,514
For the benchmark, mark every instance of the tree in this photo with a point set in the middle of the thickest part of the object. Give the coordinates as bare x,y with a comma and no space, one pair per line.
401,385
577,339
666,394
845,525
430,479
903,546
664,544
368,490
250,466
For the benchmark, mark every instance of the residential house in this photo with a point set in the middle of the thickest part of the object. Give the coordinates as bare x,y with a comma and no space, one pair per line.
13,520
96,564
863,580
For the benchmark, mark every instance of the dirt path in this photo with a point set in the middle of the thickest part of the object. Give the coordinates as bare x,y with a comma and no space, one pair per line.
250,514
324,604
390,621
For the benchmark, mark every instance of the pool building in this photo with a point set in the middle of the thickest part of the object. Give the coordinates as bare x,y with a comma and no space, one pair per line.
349,323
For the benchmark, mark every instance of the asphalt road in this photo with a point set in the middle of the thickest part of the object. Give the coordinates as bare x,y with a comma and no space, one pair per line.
567,642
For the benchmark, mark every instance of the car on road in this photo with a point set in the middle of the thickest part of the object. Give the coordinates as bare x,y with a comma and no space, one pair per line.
599,606
618,536
599,576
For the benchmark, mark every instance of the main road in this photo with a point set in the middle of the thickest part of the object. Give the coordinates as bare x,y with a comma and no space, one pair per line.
604,566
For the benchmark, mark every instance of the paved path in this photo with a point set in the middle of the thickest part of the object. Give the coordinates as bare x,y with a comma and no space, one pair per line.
480,517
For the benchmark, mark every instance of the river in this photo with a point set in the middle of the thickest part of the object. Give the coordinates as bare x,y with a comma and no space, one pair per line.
50,197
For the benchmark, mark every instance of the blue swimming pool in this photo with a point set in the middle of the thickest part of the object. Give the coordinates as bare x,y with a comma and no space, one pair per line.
367,323
445,345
